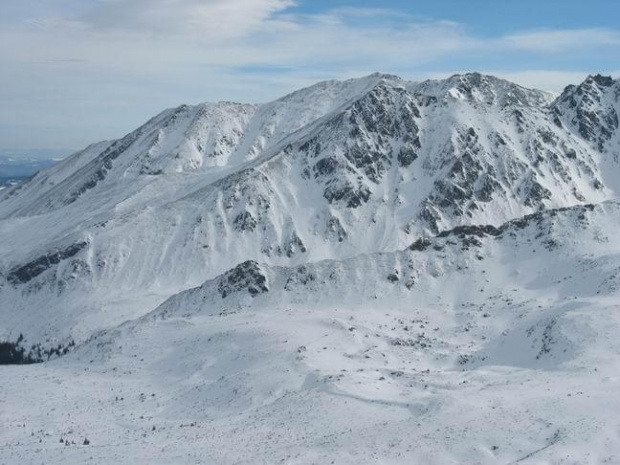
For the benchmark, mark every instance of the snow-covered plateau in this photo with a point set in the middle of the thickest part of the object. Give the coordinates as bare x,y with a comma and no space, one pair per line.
370,271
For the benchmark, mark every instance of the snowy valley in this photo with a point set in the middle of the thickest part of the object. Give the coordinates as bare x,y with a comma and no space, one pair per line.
363,271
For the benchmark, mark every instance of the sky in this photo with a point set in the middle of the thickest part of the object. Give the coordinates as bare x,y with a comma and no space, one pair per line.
74,72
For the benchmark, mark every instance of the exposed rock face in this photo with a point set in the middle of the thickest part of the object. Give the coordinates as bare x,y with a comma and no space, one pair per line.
31,270
244,222
591,109
244,277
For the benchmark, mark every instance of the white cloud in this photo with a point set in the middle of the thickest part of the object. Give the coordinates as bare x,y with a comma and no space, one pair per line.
193,36
215,19
562,40
152,35
78,65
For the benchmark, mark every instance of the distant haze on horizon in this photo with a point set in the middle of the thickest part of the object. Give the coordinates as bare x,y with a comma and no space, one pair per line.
75,72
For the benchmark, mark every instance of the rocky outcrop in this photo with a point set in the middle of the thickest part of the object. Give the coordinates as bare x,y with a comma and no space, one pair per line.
25,273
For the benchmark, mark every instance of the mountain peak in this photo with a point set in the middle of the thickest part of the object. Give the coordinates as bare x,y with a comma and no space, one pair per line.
593,84
477,88
591,108
387,78
600,80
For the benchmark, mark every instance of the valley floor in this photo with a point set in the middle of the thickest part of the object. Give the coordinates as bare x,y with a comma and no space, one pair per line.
338,385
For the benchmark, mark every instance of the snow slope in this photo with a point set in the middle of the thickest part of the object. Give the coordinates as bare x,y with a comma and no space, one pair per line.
483,345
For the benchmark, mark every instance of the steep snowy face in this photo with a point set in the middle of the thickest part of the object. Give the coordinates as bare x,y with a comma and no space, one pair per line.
539,247
184,139
432,160
277,120
203,136
591,109
341,168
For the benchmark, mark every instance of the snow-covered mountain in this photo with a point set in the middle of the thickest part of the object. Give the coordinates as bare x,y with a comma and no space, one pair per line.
391,243
329,172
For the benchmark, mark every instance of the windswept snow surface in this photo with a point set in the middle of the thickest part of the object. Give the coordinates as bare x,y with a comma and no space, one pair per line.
368,271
